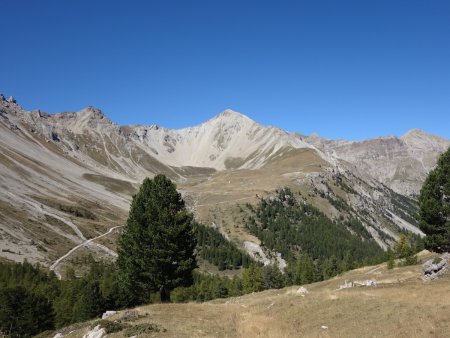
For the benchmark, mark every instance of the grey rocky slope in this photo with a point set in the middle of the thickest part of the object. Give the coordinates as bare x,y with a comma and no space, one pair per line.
401,163
69,177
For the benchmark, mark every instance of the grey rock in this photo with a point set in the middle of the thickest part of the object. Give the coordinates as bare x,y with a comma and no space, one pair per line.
55,136
108,314
130,315
302,291
11,99
406,159
14,127
357,283
96,332
433,269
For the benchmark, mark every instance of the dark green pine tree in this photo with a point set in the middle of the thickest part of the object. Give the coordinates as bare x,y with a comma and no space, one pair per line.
23,313
434,206
156,247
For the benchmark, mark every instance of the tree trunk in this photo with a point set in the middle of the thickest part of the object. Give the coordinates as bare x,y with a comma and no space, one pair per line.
164,293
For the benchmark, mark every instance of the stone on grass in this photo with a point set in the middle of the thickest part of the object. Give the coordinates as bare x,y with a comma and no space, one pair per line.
357,283
302,291
108,314
96,332
436,267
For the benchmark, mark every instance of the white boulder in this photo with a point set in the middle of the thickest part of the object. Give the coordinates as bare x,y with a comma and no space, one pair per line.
108,314
96,332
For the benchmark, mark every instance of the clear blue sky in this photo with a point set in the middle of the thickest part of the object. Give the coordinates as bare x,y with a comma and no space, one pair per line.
343,69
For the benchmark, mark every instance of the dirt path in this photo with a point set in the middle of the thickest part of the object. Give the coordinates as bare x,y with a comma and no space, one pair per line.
87,242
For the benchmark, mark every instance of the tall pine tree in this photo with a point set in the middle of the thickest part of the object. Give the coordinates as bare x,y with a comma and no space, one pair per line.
156,247
434,205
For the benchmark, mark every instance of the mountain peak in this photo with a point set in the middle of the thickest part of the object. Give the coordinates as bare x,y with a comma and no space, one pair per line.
414,131
92,110
231,117
93,114
231,114
416,134
10,101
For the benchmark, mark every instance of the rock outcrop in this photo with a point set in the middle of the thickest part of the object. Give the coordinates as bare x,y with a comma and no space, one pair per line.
96,332
302,291
356,283
436,267
108,314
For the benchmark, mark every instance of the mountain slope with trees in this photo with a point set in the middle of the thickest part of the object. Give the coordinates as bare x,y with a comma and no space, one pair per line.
69,177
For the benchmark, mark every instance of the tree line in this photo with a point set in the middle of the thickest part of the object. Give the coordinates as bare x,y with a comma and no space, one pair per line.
302,233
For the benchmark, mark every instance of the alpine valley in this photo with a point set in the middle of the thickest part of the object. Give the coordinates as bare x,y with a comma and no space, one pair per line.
67,179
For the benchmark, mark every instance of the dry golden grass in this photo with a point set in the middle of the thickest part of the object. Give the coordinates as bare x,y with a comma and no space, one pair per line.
402,305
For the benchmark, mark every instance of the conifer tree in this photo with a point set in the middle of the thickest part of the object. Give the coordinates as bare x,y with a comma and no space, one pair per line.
23,313
156,248
273,279
434,206
253,279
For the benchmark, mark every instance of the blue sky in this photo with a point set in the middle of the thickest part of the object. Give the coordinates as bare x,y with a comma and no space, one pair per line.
343,69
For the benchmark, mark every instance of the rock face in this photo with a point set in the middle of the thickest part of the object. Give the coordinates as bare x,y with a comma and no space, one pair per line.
401,163
434,268
229,141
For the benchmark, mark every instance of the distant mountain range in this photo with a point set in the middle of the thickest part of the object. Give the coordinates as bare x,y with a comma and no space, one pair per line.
68,177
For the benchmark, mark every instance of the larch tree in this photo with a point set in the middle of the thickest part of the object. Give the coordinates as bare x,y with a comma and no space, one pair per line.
156,247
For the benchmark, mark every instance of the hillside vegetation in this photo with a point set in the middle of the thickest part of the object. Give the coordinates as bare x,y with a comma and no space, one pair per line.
293,229
400,305
69,177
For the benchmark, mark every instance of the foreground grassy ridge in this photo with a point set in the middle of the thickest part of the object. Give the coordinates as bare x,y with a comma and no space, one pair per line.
402,305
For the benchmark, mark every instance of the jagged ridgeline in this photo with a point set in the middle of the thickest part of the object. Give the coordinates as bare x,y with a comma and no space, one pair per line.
69,177
296,229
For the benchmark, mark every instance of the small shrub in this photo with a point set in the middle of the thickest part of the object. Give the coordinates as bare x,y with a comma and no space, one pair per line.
390,264
77,211
437,260
410,260
132,315
109,326
142,328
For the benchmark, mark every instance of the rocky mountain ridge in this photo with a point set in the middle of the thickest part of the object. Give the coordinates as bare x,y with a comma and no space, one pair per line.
231,140
401,163
68,177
